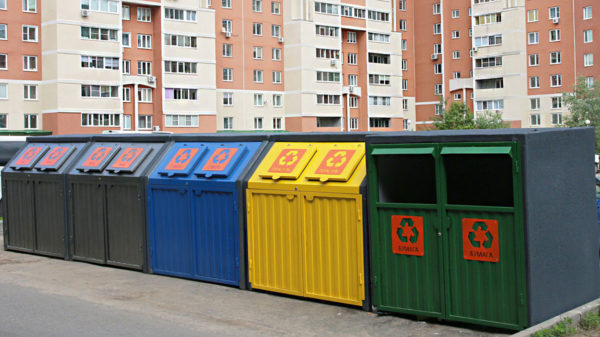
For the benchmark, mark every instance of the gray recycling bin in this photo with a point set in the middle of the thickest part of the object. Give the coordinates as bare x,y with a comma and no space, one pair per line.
35,202
107,198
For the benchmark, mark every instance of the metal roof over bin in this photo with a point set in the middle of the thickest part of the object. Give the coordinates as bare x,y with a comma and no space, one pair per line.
306,229
107,197
195,207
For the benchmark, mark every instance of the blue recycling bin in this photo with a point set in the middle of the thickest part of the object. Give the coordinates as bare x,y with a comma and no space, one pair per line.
195,210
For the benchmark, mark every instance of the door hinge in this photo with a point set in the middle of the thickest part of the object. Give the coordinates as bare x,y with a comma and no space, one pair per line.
361,279
249,263
517,168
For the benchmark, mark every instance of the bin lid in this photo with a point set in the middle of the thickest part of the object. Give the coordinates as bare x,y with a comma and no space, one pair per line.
222,160
97,157
182,159
482,149
129,158
55,157
335,162
286,161
29,156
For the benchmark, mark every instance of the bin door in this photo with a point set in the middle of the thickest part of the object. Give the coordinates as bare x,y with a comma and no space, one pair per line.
97,157
286,161
56,156
406,242
486,280
336,163
221,161
182,159
29,156
129,159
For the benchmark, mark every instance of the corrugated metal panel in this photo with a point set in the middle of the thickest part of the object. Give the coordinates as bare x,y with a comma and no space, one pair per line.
50,217
88,222
125,225
20,215
274,242
333,248
171,233
484,291
217,237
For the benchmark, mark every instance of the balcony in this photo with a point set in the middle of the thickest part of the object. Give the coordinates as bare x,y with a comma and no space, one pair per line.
145,80
460,83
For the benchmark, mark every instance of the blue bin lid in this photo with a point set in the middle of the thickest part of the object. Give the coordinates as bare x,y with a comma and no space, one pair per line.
181,159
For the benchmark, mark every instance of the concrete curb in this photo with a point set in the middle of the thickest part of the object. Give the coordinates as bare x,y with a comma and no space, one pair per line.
575,314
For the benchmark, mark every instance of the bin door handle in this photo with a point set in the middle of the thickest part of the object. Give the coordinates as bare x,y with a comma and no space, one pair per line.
291,197
196,192
309,197
182,192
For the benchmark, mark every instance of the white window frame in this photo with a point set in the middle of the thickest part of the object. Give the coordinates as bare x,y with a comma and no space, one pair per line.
4,28
257,29
126,67
534,103
147,124
588,36
456,34
556,33
227,123
276,54
258,76
227,50
125,13
587,12
128,34
534,119
534,82
277,100
28,89
554,12
555,80
29,6
275,8
144,14
227,74
35,40
588,60
30,119
352,57
277,77
27,63
258,123
228,99
144,41
351,37
257,53
275,30
535,36
126,122
555,57
3,91
126,94
455,13
144,95
536,58
259,100
532,15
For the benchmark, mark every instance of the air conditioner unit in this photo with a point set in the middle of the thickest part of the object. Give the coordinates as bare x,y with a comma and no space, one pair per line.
351,89
333,62
280,40
228,34
224,30
555,20
434,56
151,79
156,128
85,12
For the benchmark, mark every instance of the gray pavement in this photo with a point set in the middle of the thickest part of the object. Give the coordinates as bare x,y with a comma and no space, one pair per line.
49,297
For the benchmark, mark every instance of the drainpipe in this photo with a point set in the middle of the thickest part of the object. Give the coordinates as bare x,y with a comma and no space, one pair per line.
136,105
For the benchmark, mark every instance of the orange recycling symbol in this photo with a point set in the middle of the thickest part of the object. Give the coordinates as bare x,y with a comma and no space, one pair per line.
407,235
335,161
287,160
480,240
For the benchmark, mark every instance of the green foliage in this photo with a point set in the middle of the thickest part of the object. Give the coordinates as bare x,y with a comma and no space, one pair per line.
561,329
590,321
458,116
584,105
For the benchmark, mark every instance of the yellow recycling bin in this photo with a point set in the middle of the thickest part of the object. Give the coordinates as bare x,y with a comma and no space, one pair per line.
306,222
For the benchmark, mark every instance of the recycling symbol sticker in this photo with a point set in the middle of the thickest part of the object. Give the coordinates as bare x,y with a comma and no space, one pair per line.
335,161
480,240
287,160
407,235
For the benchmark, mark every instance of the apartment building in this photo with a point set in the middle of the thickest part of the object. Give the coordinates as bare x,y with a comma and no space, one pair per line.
85,66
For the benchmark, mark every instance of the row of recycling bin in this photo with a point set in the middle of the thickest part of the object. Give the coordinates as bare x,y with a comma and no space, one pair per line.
492,228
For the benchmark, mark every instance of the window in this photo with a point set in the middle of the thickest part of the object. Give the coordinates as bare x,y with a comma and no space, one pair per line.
227,74
277,100
144,68
554,35
456,55
378,37
144,14
144,122
380,100
437,28
353,102
588,36
126,67
108,6
532,15
258,100
257,29
328,53
181,120
589,82
227,98
125,13
587,12
556,102
325,8
226,3
144,41
439,110
181,94
487,62
554,12
277,77
437,9
534,82
437,68
352,58
30,33
275,30
227,50
257,53
3,91
534,59
227,26
30,121
490,83
30,92
457,97
275,8
2,4
351,37
126,121
402,25
378,58
437,48
144,95
126,41
402,5
533,38
406,122
490,105
534,119
3,31
277,123
489,40
379,122
556,80
534,103
29,6
327,31
555,57
180,67
438,88
126,94
276,54
328,76
328,122
180,14
258,76
404,65
557,118
456,74
100,91
30,63
227,123
181,41
328,99
404,84
257,5
102,34
488,19
379,79
100,62
455,34
404,104
588,60
455,13
353,123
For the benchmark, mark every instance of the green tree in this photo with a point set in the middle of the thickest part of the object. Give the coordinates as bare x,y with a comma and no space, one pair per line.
458,116
584,105
490,120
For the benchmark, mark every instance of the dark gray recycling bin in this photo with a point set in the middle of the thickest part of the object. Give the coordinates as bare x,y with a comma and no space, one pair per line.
107,198
35,202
